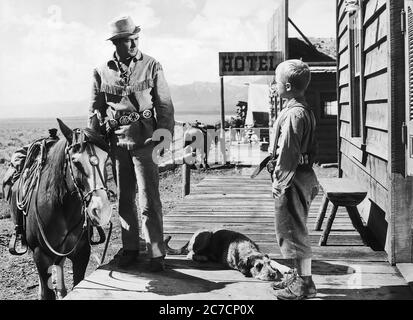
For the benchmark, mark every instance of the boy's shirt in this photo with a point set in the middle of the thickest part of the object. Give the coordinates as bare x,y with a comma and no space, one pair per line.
295,138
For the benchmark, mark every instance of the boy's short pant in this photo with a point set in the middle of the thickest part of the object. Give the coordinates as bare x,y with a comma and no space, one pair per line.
291,213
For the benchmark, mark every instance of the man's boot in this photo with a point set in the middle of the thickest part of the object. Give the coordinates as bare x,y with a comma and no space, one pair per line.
157,264
126,258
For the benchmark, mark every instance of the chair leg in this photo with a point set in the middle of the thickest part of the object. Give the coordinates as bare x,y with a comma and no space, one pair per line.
324,236
321,214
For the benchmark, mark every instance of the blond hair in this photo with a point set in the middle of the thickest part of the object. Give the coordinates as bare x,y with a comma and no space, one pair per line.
295,72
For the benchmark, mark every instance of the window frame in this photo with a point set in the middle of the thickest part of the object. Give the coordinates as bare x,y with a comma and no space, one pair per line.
323,115
356,74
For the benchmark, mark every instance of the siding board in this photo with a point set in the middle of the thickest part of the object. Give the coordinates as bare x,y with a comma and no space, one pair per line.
377,115
376,192
344,95
345,113
350,150
343,42
372,7
376,31
377,143
343,59
376,60
344,77
377,168
377,88
345,130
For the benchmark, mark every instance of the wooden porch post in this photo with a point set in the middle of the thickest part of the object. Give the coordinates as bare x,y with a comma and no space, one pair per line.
224,158
401,198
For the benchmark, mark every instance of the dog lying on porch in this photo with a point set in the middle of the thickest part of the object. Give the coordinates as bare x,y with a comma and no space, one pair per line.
232,249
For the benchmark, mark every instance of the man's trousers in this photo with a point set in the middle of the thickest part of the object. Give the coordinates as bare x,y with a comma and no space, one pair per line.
136,168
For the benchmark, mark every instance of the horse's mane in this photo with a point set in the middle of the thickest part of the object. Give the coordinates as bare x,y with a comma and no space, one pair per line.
54,173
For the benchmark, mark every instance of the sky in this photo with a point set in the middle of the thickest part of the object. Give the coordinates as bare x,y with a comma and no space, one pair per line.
50,47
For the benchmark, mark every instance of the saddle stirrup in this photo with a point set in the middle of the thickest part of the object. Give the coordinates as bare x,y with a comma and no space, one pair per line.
18,243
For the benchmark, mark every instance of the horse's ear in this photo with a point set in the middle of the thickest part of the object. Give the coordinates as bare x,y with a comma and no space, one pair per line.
67,132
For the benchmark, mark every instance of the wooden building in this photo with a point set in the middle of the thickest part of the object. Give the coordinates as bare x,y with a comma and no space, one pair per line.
322,92
321,95
375,94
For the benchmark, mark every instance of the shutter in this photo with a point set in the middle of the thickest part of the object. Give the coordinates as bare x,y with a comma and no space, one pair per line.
409,85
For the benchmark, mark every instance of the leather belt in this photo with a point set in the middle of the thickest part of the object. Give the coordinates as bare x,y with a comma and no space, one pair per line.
129,118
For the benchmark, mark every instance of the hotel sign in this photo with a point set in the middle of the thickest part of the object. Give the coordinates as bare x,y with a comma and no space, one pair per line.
249,63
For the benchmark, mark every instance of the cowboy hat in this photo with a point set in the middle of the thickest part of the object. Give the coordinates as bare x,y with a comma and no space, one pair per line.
123,27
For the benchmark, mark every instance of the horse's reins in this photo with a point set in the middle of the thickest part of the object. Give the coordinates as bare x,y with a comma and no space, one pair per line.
85,199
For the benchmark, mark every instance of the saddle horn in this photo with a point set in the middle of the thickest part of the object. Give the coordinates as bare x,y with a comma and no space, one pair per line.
171,251
67,132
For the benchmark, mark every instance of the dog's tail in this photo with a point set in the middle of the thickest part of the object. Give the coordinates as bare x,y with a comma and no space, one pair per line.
182,251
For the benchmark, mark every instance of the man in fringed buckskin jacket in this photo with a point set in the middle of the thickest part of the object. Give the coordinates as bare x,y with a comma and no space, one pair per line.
132,99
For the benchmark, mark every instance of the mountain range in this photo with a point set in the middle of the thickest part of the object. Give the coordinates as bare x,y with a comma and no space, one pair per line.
194,98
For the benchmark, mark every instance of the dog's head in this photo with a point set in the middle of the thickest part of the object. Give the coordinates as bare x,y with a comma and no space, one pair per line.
263,268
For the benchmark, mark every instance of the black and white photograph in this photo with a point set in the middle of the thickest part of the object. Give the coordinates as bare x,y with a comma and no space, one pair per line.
206,155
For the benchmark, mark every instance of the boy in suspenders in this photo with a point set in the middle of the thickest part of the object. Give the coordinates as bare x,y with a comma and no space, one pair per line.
294,182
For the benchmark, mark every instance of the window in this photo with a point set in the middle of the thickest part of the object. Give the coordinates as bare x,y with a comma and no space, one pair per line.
355,36
329,105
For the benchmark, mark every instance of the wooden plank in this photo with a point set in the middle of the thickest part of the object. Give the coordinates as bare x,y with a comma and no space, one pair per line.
377,88
233,196
345,113
372,7
343,42
333,240
245,218
376,59
349,236
344,95
343,27
241,186
341,186
376,192
376,31
244,191
345,130
344,76
332,253
351,150
245,228
402,204
231,178
377,168
343,59
377,115
377,143
179,215
341,11
233,211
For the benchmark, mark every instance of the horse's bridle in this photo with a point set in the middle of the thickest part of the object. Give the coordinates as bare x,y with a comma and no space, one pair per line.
79,140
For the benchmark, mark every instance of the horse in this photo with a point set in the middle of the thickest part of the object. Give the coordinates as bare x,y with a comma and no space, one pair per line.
70,197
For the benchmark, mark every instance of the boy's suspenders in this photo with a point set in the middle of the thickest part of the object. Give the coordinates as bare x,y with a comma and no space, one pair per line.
306,158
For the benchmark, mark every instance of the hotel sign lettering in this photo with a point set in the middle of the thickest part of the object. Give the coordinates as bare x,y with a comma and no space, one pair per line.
249,63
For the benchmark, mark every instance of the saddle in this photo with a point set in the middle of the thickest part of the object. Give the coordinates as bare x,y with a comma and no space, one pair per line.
27,163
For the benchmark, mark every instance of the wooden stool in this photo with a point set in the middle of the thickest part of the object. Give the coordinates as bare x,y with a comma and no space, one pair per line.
341,192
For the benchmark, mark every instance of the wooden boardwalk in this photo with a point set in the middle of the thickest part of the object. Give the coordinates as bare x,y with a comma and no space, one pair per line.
242,204
345,269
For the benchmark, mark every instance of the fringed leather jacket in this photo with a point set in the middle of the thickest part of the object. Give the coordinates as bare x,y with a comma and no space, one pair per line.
120,90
